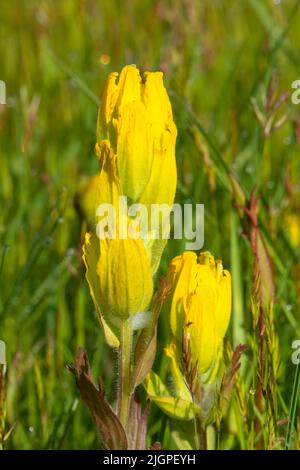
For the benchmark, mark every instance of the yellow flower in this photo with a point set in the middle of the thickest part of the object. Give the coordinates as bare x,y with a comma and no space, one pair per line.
200,306
136,118
292,222
119,276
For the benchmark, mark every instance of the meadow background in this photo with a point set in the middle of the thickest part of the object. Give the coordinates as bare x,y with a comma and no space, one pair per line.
219,58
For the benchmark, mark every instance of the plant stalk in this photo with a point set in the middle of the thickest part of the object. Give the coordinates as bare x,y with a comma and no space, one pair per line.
201,433
202,439
124,389
293,408
2,406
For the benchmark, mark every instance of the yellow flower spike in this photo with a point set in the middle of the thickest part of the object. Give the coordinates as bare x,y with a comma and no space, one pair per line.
200,306
136,117
135,122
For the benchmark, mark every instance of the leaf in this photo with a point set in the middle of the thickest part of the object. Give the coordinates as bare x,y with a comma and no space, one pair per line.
174,407
237,192
137,424
266,270
263,269
154,386
179,384
293,408
145,349
9,432
112,433
184,435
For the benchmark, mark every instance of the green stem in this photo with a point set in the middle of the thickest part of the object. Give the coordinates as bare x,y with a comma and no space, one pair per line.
124,392
237,284
202,439
201,432
293,408
2,407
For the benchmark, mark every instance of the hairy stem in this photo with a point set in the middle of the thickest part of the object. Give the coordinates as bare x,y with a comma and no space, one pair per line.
124,390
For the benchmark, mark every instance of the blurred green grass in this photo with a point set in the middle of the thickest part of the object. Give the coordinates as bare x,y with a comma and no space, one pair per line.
216,56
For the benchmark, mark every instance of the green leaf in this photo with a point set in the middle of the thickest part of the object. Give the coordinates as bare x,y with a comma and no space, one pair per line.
145,349
174,407
184,435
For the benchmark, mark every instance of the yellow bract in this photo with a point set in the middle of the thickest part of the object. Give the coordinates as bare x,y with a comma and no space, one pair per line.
125,277
91,253
200,305
119,275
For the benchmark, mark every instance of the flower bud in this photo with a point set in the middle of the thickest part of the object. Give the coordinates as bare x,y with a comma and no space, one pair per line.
200,307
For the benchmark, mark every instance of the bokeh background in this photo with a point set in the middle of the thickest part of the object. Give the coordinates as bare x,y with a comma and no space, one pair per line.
223,62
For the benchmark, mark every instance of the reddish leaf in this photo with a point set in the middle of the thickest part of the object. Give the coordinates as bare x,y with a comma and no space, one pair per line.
137,424
111,432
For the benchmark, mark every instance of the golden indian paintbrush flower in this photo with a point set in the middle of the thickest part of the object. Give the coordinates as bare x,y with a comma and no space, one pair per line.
136,151
136,118
200,307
